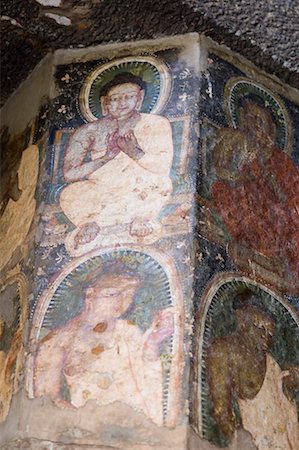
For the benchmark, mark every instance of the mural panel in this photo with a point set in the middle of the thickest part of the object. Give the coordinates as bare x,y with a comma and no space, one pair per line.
246,368
110,329
248,364
250,192
114,257
13,315
113,178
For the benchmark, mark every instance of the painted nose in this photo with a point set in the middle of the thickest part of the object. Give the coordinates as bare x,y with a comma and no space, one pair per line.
123,102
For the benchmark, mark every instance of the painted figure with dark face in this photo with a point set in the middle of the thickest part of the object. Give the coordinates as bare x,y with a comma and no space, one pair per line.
258,202
241,368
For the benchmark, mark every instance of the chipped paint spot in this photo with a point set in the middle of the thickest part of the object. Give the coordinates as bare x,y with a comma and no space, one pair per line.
61,20
49,2
12,21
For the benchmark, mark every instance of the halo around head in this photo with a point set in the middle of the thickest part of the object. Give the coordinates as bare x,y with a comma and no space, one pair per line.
64,300
239,89
152,71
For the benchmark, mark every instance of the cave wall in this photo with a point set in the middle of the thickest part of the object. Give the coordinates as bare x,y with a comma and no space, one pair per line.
246,270
132,247
153,250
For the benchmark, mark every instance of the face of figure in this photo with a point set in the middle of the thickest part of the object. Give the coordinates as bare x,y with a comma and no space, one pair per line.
256,326
123,100
111,297
257,123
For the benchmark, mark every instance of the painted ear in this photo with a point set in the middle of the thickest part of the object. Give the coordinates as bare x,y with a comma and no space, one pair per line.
140,99
104,106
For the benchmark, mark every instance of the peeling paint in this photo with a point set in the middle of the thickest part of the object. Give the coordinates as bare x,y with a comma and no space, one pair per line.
61,20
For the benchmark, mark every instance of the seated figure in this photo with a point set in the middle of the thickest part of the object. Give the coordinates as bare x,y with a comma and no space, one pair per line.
256,195
118,166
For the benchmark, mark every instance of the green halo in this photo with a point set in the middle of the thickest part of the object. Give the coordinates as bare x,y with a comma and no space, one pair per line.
151,70
153,294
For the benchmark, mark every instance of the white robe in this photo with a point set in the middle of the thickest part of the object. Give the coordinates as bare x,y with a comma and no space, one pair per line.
270,417
129,378
123,189
120,372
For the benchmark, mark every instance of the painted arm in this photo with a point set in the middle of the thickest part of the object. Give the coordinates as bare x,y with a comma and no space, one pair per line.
219,378
290,382
129,145
287,176
48,367
162,328
81,144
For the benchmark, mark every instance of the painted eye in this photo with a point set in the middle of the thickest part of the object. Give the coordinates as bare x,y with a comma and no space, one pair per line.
110,292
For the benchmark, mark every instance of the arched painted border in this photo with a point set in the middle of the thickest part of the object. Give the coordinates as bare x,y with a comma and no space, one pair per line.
177,364
283,122
207,297
160,66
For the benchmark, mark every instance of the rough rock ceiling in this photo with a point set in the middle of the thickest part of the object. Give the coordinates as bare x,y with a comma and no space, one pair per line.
265,31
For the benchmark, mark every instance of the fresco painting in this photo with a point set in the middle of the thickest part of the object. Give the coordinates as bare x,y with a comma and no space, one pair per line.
13,316
251,187
248,364
114,234
109,330
133,150
114,255
127,142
